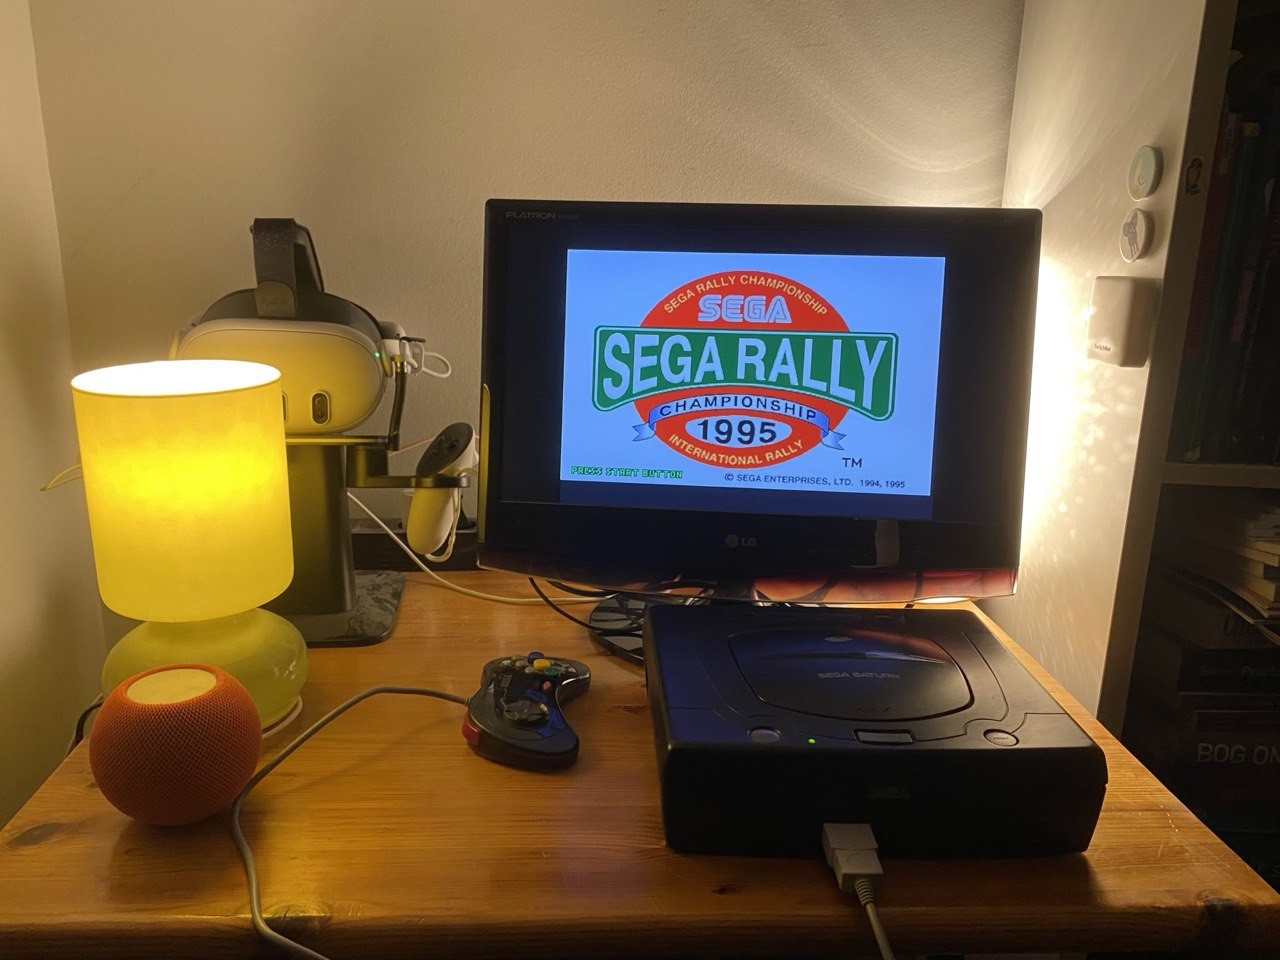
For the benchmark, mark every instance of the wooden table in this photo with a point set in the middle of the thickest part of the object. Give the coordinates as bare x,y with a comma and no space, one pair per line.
385,836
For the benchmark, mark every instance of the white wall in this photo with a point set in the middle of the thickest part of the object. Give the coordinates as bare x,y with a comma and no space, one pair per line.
1097,79
385,125
51,643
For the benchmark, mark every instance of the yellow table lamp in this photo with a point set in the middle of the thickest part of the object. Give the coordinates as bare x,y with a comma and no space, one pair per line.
188,498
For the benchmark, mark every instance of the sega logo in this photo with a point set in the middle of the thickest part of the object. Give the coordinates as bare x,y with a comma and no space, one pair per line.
736,308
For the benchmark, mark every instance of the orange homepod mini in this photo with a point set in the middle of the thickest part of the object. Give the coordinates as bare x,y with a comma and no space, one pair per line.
174,744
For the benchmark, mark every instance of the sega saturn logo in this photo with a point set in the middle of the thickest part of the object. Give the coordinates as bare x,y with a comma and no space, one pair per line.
733,541
857,675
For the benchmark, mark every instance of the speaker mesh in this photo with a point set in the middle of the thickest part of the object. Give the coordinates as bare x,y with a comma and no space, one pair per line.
175,763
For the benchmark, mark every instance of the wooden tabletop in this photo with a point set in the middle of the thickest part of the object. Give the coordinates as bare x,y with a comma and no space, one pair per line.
385,836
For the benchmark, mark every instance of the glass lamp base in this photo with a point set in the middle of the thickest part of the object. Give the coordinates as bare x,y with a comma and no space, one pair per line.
263,651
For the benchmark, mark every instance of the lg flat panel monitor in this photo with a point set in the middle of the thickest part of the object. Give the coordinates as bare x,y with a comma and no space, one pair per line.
730,394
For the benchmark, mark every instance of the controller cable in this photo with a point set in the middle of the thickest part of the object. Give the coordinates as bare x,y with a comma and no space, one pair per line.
292,947
628,610
629,631
582,591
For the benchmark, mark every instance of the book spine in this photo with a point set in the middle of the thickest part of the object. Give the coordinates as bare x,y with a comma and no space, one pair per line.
1174,752
1235,671
1163,667
1265,702
1215,213
1217,348
1211,564
1248,566
1260,391
1217,520
1238,410
1263,723
1176,546
1233,752
1182,611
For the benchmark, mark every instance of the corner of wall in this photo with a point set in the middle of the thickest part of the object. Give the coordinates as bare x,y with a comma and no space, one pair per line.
51,647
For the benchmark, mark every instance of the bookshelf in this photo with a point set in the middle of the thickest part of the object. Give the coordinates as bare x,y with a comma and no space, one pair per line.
1252,475
1203,705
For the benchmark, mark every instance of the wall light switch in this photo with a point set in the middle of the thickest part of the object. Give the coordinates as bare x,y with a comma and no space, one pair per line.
1120,319
1144,172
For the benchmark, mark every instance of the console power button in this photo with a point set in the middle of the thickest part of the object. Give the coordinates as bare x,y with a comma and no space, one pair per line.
1001,738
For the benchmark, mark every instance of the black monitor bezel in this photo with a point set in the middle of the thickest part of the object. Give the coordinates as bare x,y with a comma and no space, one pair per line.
615,545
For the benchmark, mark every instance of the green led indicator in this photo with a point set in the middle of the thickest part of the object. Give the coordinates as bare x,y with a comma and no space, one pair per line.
811,740
376,353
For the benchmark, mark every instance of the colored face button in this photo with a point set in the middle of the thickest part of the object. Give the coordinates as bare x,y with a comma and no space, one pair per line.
541,663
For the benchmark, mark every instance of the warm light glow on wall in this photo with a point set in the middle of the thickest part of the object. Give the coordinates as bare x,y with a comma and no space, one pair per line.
1060,401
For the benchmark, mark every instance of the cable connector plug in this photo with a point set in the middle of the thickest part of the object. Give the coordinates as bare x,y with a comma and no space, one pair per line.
850,849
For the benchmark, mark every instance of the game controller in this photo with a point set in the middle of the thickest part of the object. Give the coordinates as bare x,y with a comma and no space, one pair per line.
433,511
515,716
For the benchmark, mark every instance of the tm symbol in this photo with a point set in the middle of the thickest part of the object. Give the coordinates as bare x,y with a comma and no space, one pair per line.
851,461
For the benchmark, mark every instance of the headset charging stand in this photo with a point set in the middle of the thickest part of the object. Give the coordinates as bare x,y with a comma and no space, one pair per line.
335,361
329,601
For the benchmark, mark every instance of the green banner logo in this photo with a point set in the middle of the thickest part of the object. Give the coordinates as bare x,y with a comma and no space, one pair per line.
858,371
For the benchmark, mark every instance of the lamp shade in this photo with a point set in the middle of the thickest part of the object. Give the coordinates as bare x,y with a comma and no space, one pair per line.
186,485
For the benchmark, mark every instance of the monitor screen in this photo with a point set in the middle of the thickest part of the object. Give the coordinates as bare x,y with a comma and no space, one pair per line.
709,392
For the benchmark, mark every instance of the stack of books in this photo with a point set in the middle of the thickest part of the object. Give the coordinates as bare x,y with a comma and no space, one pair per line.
1204,710
1228,536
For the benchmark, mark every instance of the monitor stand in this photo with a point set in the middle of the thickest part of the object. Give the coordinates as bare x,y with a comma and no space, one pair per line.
617,624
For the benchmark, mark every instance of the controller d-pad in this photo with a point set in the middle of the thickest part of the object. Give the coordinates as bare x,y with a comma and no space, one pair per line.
525,712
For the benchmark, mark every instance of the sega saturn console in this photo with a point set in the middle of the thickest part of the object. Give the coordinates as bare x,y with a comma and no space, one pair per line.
770,722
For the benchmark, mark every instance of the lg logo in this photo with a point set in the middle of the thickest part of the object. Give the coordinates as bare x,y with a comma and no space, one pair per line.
733,541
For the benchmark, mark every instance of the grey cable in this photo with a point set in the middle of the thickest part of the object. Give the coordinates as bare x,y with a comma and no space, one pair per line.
237,834
867,896
850,849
